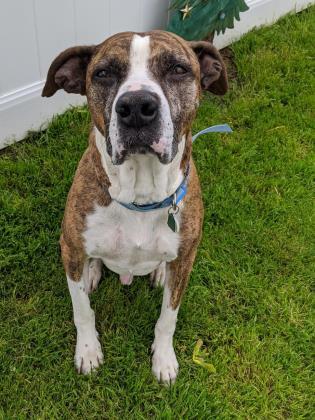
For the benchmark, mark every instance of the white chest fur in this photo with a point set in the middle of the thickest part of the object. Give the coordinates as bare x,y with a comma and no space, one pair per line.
129,241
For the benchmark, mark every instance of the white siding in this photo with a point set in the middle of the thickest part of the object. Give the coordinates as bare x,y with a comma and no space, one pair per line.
92,20
55,29
18,46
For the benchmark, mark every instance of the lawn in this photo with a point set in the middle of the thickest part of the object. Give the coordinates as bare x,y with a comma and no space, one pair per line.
249,297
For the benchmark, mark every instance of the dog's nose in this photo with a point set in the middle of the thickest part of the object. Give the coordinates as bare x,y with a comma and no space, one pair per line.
137,109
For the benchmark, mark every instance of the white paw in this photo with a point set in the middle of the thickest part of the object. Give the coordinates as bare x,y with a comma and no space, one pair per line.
94,275
88,355
158,276
164,364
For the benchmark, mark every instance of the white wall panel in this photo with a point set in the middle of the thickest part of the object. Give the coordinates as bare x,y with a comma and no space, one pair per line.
92,20
55,30
154,14
17,45
125,16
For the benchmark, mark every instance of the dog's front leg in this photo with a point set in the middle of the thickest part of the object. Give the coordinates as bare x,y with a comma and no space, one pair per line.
164,362
88,353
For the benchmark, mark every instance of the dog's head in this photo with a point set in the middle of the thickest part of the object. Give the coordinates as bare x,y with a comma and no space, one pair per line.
142,89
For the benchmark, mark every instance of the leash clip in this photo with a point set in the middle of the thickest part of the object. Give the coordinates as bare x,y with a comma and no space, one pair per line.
174,209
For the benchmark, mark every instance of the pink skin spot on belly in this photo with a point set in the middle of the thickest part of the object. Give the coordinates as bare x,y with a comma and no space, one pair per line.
160,146
126,279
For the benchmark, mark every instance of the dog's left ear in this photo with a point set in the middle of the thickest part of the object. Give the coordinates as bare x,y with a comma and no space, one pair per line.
213,75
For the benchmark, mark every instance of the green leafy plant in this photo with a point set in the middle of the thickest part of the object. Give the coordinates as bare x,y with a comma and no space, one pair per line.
196,19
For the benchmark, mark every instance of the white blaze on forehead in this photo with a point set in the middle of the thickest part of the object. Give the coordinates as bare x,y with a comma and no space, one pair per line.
139,57
140,77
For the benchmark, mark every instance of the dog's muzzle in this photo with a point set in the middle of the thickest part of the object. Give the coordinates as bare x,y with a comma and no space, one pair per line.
138,116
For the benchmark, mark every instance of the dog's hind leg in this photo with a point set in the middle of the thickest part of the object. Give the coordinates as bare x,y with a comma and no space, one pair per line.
94,274
88,353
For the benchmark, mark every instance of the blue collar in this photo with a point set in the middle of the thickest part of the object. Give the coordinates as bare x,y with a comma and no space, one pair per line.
181,191
175,198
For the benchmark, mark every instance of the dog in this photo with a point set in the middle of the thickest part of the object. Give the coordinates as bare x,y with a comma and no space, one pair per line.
135,203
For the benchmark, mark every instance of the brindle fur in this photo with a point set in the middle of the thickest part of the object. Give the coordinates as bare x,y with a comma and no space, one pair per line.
90,185
191,228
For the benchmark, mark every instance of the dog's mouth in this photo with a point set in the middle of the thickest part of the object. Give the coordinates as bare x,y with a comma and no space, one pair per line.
139,143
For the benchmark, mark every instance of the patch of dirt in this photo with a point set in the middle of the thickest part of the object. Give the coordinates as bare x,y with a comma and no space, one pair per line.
228,57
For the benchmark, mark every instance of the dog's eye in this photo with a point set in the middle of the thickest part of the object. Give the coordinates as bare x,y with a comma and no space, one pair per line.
104,76
178,69
101,74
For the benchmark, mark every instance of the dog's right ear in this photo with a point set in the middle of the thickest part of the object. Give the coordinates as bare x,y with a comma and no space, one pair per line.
68,71
212,69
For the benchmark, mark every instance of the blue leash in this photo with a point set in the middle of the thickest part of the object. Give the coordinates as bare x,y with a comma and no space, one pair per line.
221,128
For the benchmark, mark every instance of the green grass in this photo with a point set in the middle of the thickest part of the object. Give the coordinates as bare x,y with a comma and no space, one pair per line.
249,298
